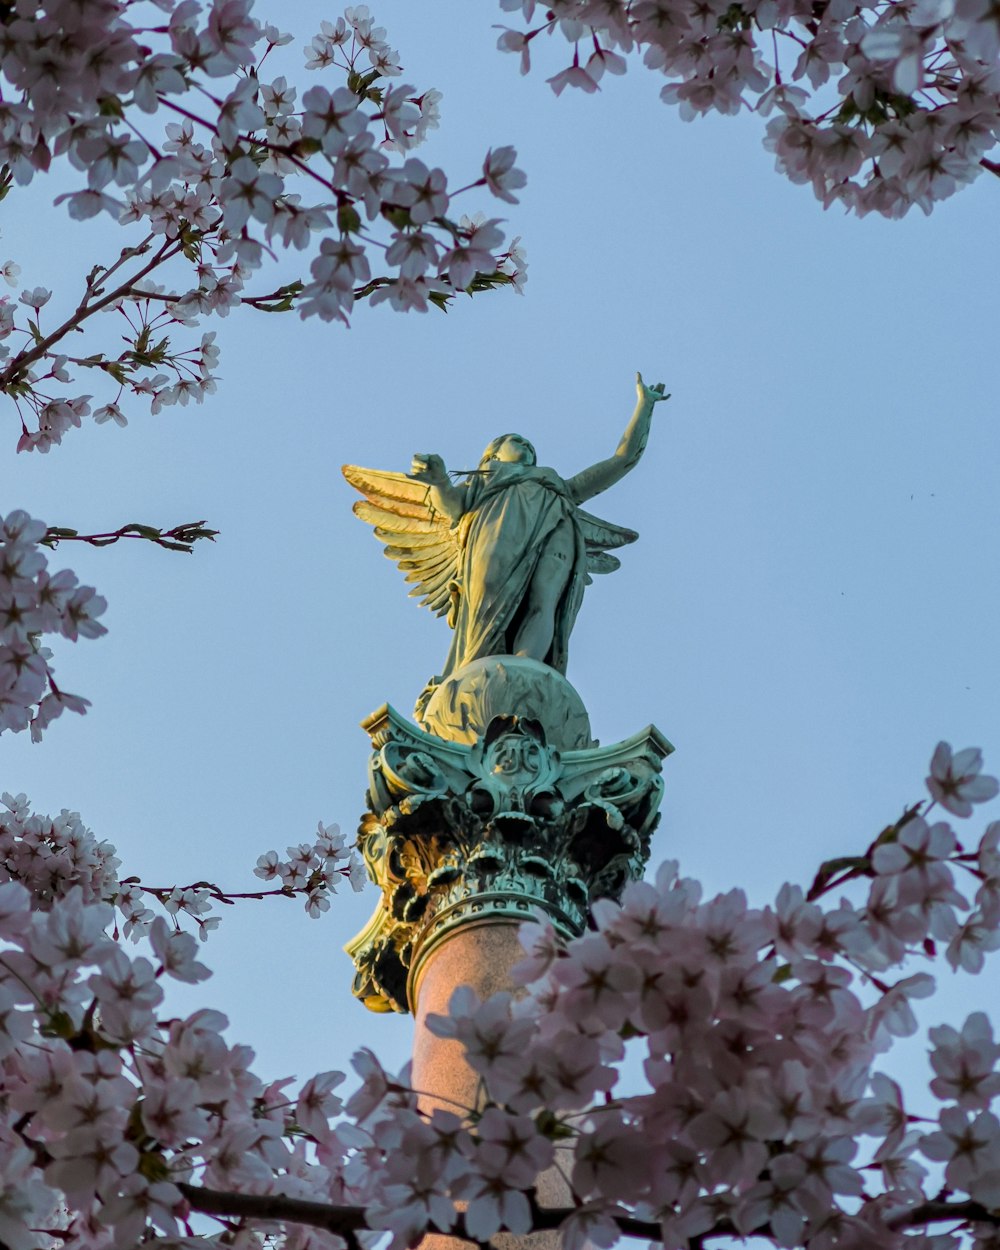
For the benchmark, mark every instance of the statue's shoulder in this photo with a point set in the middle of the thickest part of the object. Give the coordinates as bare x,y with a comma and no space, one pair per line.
552,479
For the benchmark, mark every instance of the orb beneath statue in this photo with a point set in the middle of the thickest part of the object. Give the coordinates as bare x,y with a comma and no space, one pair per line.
462,706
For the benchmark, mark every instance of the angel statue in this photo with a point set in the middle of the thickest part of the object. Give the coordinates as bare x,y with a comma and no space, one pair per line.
507,550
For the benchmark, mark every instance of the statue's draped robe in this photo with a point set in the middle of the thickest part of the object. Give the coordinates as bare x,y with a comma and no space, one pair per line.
481,569
511,513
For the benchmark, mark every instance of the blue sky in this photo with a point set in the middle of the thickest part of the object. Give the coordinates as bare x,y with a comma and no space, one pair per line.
811,606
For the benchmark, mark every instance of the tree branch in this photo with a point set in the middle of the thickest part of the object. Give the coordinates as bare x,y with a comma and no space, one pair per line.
347,1221
180,538
936,1212
19,363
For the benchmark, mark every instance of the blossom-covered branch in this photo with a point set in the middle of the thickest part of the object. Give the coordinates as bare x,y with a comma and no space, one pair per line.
34,602
53,855
277,1208
878,105
763,1109
181,134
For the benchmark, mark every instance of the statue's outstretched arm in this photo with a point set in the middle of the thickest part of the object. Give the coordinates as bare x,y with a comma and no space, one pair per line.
442,495
590,482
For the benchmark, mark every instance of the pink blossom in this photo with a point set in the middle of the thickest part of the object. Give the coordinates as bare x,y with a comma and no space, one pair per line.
501,176
610,1159
965,1063
317,1103
956,781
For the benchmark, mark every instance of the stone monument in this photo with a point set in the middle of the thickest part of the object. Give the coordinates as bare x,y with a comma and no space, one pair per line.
498,802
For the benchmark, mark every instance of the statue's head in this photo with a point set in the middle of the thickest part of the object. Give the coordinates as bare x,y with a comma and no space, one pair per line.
509,449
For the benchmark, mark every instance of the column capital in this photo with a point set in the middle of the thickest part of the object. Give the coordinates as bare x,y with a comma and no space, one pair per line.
459,834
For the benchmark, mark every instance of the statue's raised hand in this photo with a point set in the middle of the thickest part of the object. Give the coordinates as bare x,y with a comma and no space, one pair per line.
429,469
649,394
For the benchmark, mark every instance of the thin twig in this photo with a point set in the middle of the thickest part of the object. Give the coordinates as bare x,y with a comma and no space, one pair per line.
180,538
24,359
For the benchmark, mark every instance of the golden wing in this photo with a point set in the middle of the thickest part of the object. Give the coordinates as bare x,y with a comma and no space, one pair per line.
420,540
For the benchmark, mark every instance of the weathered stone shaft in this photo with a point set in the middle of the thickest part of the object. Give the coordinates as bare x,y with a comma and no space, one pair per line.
480,956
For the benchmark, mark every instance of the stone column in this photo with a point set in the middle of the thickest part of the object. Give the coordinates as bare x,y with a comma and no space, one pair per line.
475,826
481,957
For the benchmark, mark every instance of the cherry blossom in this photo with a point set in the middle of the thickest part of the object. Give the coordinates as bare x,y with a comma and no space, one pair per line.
52,856
964,1062
757,1110
502,177
34,603
955,780
912,117
211,165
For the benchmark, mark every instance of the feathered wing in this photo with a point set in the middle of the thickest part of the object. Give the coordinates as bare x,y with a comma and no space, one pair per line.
598,536
420,540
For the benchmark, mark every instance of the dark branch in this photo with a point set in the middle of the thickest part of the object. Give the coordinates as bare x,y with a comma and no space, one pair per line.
180,538
346,1222
936,1212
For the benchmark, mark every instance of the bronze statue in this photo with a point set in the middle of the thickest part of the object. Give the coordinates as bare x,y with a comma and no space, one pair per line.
505,552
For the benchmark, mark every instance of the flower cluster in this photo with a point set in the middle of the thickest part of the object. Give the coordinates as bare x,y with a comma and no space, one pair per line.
98,1094
53,855
213,193
762,1029
34,602
878,104
761,1113
314,869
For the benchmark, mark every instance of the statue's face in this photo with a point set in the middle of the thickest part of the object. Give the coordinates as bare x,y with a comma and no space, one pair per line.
515,450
